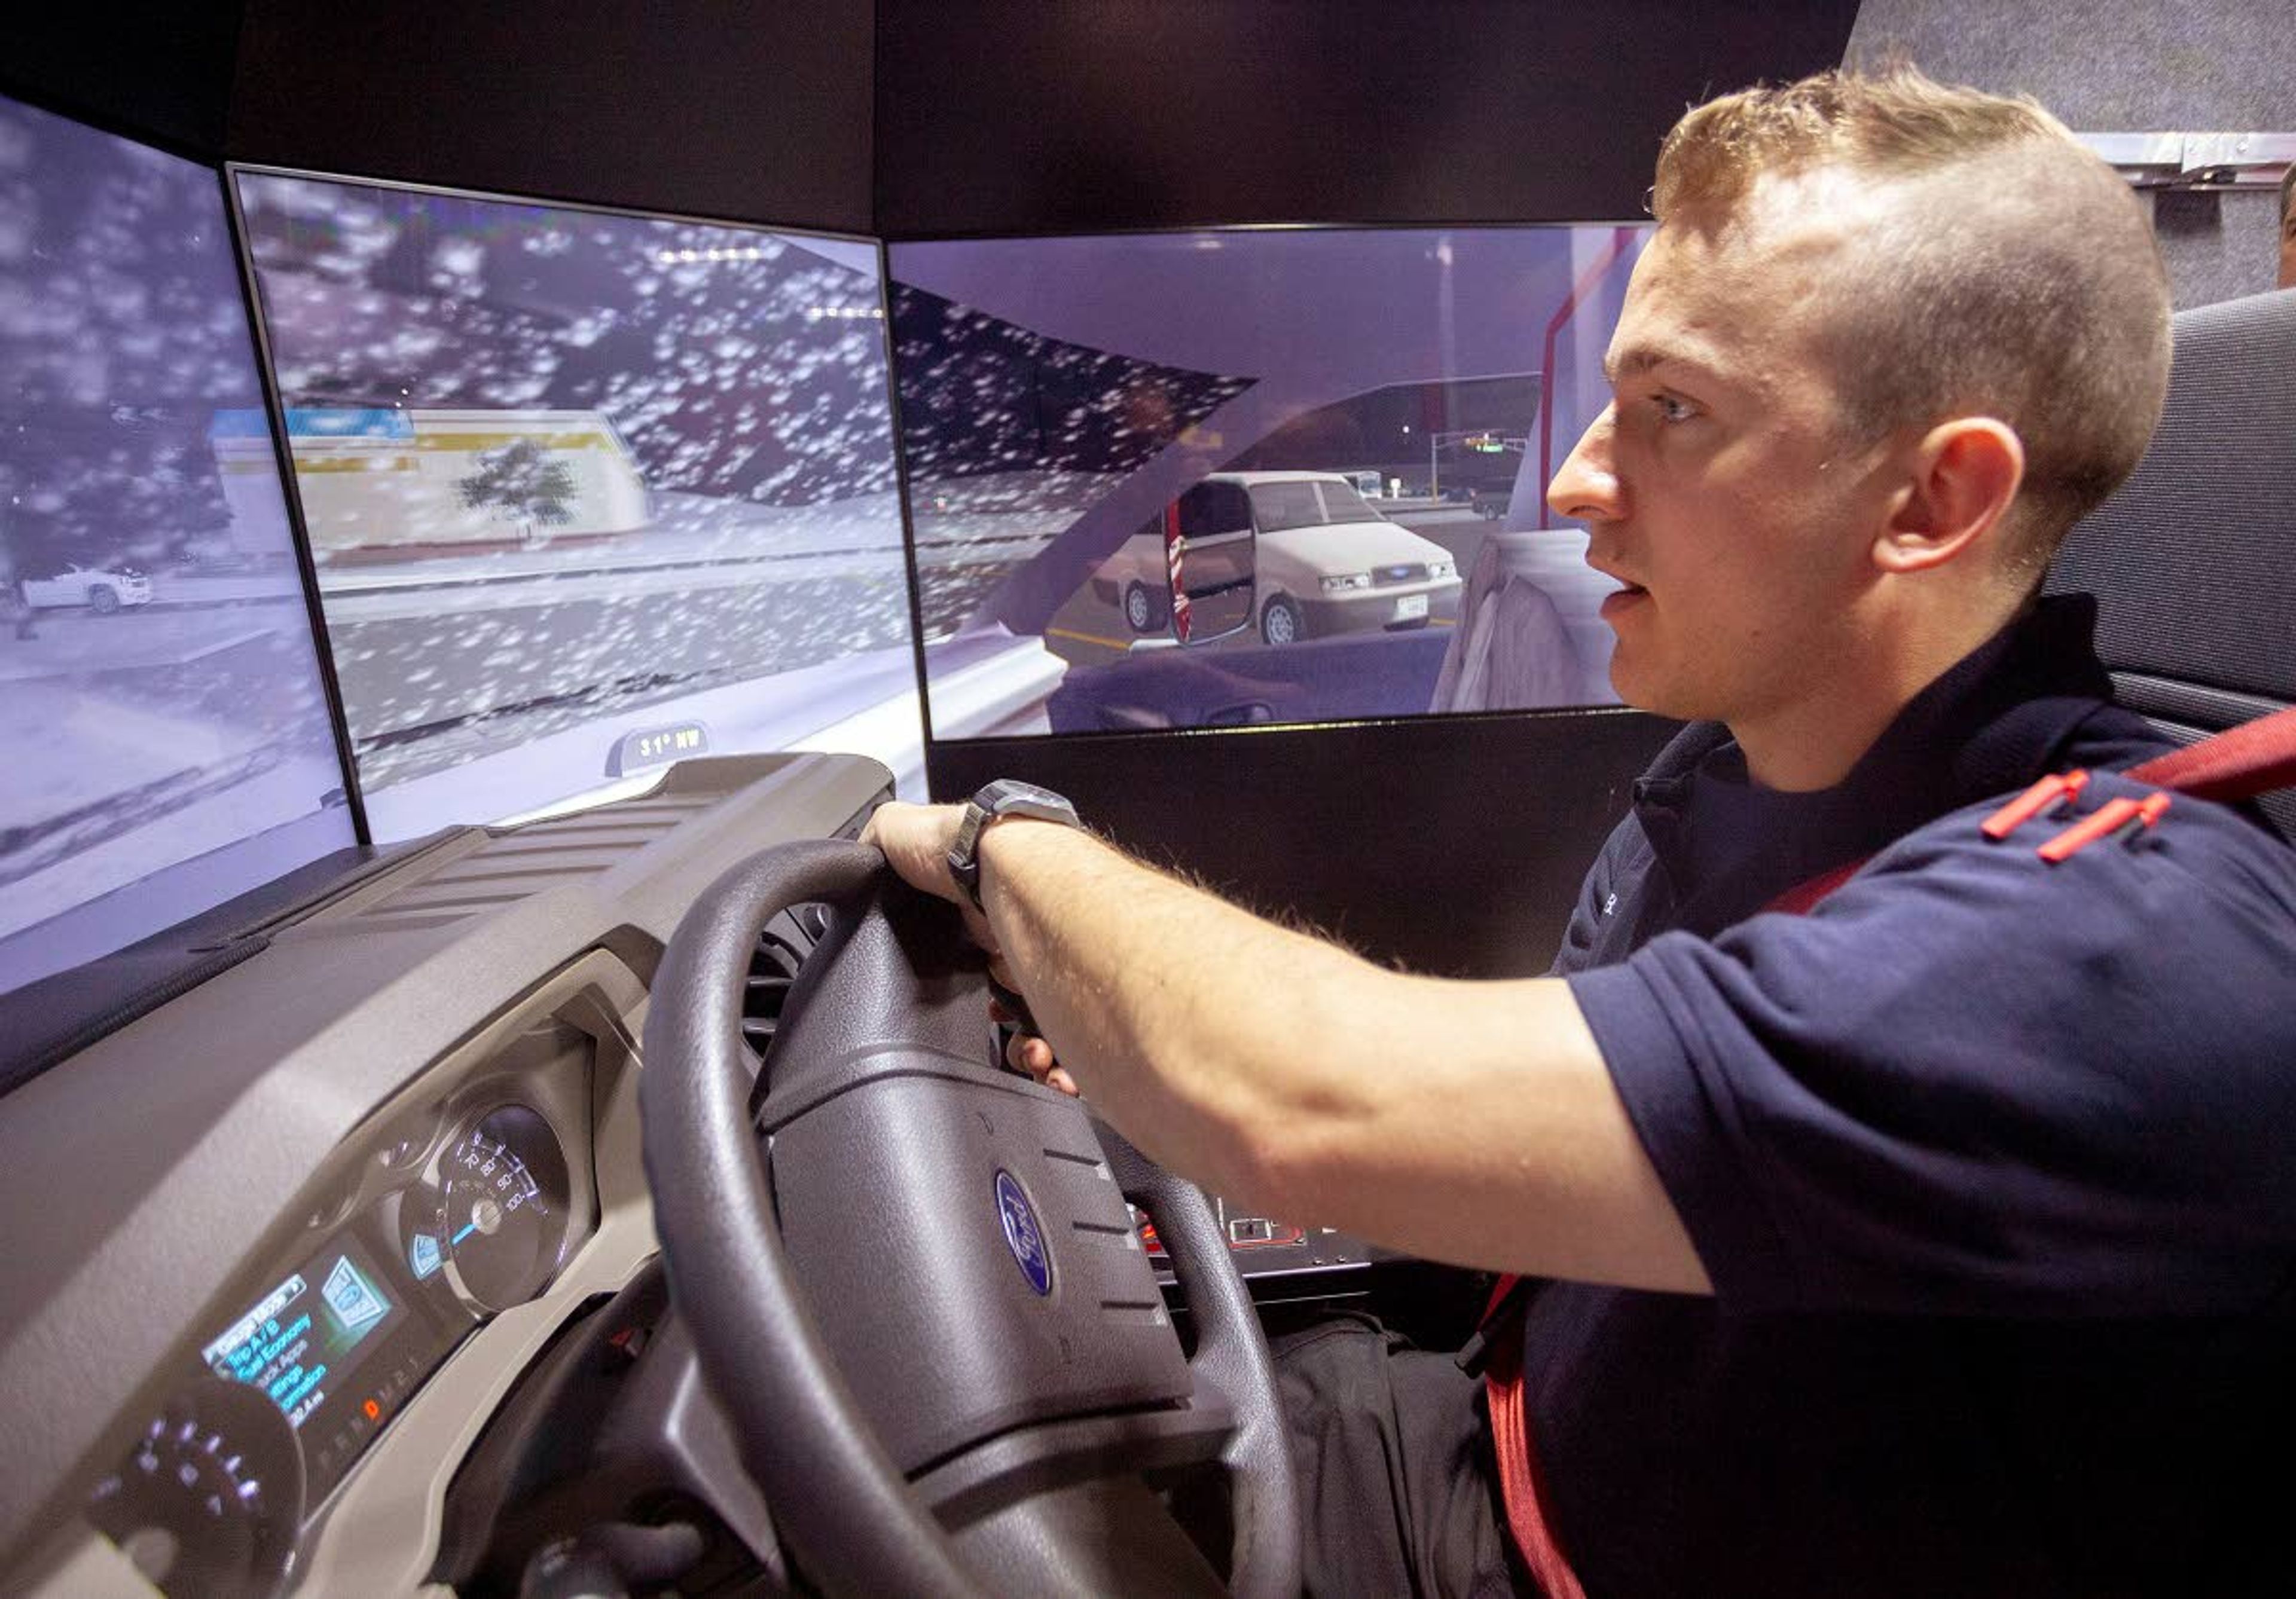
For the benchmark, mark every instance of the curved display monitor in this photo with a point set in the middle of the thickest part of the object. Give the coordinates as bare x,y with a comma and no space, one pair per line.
1249,477
168,744
587,493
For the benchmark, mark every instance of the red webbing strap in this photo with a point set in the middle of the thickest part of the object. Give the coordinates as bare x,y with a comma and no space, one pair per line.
1803,897
2239,763
1522,1482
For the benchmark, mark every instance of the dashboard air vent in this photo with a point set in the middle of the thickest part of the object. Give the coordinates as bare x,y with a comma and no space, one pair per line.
774,965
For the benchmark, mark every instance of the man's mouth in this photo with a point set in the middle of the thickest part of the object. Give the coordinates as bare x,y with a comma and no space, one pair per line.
1630,596
1620,579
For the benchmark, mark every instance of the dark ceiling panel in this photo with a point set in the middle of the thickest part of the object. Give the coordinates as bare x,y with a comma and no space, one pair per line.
1002,117
750,112
157,70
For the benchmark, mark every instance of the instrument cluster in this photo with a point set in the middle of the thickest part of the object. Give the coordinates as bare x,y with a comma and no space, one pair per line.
451,1213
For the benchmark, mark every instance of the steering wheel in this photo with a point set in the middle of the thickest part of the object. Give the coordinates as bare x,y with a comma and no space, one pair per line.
979,1381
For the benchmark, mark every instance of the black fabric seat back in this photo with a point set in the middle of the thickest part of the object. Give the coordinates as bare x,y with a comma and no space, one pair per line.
2193,560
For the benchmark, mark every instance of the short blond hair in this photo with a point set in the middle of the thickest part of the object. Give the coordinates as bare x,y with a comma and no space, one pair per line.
2012,273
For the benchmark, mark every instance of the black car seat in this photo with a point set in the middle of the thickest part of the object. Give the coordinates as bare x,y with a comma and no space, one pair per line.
2193,561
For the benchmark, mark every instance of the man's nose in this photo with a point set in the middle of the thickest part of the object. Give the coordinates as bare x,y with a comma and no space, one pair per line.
1586,487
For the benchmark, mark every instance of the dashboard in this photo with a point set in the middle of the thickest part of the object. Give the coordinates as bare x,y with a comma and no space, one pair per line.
369,1174
287,1320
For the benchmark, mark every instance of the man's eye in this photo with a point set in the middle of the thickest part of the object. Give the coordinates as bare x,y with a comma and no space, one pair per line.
1672,409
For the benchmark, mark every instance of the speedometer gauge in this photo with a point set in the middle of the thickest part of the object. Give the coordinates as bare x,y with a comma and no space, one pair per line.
500,1224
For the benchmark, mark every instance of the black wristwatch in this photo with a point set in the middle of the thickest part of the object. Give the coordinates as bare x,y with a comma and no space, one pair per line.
1005,797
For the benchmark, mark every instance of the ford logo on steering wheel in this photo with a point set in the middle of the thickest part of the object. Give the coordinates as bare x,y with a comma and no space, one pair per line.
1022,1235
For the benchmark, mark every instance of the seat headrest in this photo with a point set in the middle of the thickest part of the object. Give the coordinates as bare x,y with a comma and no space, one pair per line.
2193,560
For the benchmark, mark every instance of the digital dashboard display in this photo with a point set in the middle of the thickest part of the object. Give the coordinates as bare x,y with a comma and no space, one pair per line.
303,1341
168,740
1255,476
338,1345
587,493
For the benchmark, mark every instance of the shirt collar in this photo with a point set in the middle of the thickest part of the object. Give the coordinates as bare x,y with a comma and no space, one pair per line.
1987,724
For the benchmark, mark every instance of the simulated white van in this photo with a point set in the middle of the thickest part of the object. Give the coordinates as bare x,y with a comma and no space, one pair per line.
1327,563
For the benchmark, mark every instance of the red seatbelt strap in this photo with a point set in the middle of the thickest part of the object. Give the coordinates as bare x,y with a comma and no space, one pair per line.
2241,763
2250,759
1522,1481
1803,897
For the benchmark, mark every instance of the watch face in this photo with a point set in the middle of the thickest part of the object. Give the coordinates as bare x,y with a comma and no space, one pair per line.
1008,794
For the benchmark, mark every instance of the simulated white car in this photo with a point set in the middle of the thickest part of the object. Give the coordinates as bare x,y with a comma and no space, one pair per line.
103,589
1326,562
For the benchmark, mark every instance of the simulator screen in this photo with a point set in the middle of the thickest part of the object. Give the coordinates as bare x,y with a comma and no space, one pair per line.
1245,477
587,493
168,745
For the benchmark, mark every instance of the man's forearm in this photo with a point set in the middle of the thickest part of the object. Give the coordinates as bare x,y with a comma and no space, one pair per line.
1475,1122
1467,1121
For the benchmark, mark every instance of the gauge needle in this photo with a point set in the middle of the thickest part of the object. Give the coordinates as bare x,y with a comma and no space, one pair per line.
469,1228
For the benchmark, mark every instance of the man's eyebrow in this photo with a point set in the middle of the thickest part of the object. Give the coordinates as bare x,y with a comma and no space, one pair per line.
1640,358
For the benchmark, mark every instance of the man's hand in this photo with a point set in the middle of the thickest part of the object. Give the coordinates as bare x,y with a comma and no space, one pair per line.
916,840
1027,1053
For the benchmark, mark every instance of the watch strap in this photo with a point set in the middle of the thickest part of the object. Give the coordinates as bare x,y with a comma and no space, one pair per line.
1005,797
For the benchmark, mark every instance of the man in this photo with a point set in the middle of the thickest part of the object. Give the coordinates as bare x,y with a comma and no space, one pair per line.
1935,1242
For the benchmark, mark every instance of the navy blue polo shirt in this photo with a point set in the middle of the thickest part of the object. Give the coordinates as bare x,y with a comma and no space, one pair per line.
1992,1164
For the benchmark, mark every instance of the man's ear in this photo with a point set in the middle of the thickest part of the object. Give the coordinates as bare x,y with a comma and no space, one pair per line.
1959,480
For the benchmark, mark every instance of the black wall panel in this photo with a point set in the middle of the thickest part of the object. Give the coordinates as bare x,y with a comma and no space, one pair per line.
752,112
160,70
1453,846
1009,116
